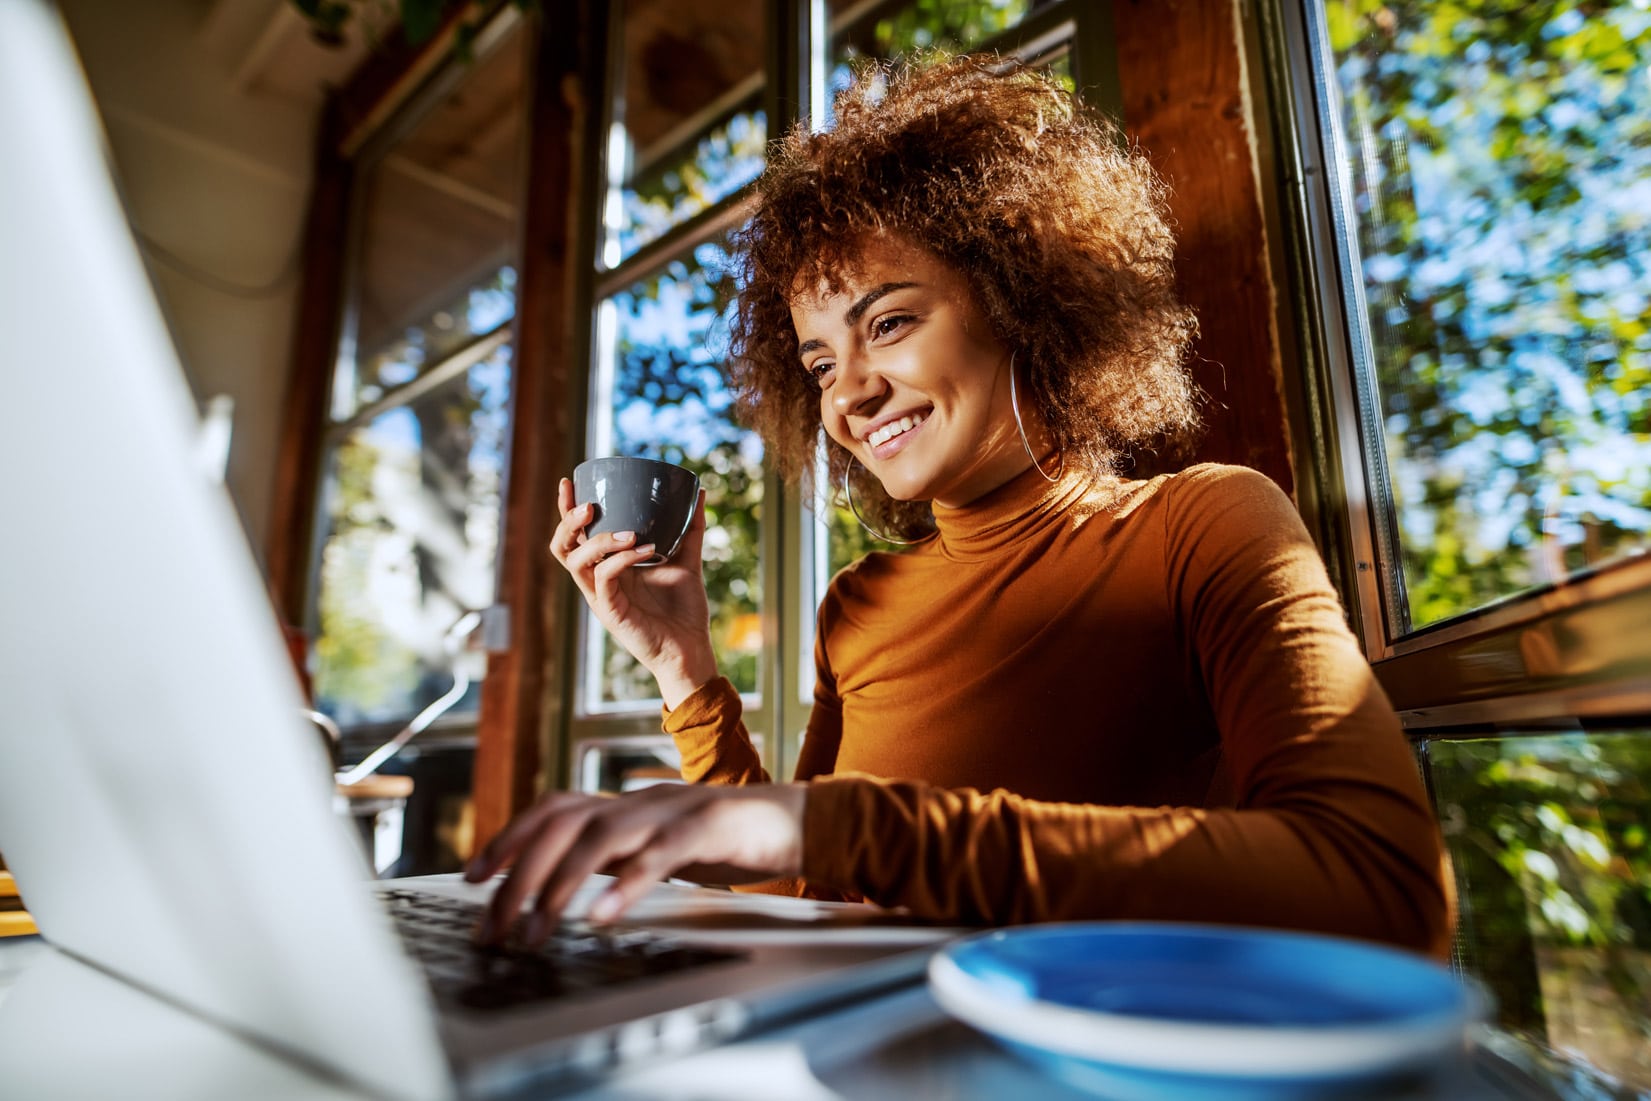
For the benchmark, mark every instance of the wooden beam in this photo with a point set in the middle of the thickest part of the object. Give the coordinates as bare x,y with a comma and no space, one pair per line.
1181,71
521,698
314,346
395,70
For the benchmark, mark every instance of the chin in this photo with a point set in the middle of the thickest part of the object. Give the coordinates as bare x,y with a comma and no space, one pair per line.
895,493
906,490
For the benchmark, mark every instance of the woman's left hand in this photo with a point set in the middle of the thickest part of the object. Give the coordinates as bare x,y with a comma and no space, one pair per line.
711,834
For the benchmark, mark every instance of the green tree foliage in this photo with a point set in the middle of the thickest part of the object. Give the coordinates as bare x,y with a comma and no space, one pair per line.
359,668
950,25
1553,857
1501,172
412,517
670,403
681,182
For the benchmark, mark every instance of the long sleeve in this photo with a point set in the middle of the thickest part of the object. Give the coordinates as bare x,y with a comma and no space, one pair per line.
1329,827
709,731
824,736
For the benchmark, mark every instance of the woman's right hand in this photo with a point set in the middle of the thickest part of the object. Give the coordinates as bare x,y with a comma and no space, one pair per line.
660,614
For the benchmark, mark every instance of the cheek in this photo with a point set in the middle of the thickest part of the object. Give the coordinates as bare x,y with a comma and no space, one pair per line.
840,435
836,427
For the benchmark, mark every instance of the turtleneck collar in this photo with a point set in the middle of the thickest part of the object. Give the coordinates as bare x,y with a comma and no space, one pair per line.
1001,518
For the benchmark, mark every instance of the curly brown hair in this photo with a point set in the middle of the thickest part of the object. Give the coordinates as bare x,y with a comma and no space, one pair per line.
1059,227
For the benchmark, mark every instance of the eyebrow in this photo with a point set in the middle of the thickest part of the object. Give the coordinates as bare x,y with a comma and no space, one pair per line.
856,312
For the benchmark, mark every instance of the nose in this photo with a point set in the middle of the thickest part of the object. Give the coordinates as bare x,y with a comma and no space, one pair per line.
859,388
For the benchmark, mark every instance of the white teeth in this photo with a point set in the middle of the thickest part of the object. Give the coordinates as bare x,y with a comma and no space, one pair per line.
893,429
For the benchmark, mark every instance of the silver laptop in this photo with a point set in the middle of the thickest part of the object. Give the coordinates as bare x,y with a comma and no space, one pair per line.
167,812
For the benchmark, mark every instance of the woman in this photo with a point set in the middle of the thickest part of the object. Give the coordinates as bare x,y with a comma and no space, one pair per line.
1077,696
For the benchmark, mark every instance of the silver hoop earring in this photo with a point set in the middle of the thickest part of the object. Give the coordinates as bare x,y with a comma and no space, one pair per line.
848,494
1014,405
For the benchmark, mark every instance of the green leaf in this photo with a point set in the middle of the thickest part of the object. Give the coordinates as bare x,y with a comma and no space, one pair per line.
420,19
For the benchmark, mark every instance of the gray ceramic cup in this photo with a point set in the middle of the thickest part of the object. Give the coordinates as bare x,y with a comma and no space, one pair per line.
654,499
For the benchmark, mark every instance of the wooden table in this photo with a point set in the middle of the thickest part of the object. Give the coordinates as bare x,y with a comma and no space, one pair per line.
14,920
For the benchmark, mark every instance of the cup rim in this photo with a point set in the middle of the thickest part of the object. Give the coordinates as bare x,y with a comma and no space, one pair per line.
634,459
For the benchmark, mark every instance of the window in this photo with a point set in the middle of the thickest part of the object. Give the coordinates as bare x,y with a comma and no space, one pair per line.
694,92
658,392
1474,181
1495,163
687,127
884,30
1548,834
417,435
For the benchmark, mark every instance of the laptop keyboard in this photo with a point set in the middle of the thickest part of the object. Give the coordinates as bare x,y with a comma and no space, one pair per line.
577,958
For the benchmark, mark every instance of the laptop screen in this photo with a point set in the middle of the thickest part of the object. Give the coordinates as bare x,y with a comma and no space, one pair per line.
165,809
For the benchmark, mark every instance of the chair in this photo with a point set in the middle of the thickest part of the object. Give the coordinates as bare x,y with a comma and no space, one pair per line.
375,802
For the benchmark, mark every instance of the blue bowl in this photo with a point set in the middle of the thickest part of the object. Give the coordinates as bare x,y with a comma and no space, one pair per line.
1158,1011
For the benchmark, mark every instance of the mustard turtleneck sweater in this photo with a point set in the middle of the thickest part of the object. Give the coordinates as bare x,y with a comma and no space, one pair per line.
1103,699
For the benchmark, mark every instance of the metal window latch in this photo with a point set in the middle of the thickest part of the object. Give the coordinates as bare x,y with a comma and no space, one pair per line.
496,628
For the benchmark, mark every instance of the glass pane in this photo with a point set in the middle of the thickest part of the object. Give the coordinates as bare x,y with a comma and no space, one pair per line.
437,230
1499,164
885,30
411,529
425,342
1549,839
687,127
409,506
659,392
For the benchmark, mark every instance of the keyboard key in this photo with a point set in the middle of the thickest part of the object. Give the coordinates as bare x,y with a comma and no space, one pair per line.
577,958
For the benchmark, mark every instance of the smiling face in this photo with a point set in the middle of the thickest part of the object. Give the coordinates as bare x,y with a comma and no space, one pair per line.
912,382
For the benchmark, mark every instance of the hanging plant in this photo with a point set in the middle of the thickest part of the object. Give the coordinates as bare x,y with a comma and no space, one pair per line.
329,20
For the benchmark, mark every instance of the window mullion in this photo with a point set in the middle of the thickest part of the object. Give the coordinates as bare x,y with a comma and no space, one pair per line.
442,371
713,221
791,96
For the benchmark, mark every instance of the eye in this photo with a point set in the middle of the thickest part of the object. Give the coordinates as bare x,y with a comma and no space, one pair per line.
820,371
890,323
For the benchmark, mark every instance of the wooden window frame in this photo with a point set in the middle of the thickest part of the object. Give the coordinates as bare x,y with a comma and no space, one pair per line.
1574,653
